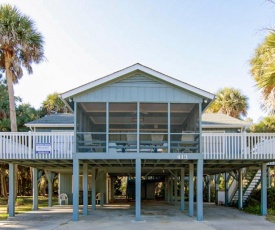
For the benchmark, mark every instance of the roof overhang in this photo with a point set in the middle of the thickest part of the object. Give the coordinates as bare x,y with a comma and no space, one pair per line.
66,96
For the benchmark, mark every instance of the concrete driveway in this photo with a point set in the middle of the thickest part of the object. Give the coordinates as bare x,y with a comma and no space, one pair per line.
155,215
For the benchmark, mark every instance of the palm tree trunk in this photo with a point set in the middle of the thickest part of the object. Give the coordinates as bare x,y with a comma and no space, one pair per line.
12,107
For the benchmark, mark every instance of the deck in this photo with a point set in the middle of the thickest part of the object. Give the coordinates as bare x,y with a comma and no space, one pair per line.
62,145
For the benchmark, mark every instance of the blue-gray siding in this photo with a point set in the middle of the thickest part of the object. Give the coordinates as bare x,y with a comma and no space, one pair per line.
138,88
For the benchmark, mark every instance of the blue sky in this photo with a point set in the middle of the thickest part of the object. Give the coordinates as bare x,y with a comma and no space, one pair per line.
205,43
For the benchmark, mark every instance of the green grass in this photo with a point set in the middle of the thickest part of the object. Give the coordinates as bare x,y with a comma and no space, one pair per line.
23,204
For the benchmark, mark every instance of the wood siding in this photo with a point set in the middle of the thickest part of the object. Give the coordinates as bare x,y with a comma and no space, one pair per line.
138,88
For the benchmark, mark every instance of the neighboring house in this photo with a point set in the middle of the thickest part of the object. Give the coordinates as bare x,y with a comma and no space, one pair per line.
138,122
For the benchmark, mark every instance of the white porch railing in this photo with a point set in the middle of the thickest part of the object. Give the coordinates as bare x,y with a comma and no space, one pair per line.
238,145
61,145
36,145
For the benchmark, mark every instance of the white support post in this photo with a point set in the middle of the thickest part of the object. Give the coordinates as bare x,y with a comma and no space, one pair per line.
93,189
191,190
240,183
182,193
49,176
226,180
263,190
138,189
75,189
85,189
35,189
176,188
199,190
11,201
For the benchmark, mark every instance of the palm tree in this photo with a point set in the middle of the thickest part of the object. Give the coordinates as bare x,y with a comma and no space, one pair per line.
263,72
21,45
231,102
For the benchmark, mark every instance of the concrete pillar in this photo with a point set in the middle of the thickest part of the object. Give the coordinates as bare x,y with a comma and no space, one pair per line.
199,193
268,177
138,189
50,176
93,189
102,188
226,180
85,189
240,184
209,178
176,188
217,183
75,189
182,194
11,201
171,187
166,188
113,189
34,189
263,190
191,190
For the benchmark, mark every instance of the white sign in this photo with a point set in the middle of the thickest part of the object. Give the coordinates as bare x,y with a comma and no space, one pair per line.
43,148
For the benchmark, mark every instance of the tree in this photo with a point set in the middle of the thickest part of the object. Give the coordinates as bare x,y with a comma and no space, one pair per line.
263,72
53,103
21,45
230,101
267,125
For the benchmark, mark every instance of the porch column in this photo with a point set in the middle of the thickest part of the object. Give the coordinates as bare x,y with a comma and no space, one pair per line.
268,177
75,189
166,189
217,183
138,189
209,188
112,189
93,189
49,175
226,180
11,202
191,190
199,190
34,189
240,184
102,188
171,188
263,190
182,194
176,188
85,189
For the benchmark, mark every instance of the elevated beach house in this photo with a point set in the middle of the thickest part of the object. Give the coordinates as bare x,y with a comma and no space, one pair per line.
137,122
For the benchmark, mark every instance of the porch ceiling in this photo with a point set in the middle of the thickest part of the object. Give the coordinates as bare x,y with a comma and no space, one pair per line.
148,166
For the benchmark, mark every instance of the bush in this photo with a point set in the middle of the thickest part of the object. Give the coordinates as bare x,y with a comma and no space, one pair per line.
19,202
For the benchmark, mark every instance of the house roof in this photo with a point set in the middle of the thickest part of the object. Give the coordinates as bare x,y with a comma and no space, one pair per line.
130,69
209,120
218,120
53,120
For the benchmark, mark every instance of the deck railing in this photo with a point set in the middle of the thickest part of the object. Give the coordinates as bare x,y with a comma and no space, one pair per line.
238,145
61,145
36,145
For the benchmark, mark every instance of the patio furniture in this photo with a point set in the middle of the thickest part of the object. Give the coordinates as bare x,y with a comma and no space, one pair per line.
89,142
63,197
186,144
157,142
